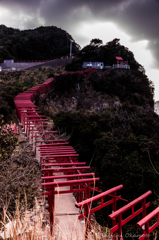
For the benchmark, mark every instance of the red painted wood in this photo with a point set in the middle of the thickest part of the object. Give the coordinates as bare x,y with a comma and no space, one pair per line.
118,214
146,222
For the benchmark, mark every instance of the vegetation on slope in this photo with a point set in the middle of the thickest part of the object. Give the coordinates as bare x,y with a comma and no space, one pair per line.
12,83
97,51
35,44
110,119
74,92
19,171
120,140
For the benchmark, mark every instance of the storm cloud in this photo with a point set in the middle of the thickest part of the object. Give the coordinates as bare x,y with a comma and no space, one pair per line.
139,19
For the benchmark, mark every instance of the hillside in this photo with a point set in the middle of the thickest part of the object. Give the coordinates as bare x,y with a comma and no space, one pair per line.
15,82
112,124
74,91
109,117
42,43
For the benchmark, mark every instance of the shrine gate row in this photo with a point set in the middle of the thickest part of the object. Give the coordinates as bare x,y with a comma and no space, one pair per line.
56,156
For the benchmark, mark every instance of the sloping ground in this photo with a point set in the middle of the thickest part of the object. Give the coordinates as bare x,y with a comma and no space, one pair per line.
53,63
53,157
35,65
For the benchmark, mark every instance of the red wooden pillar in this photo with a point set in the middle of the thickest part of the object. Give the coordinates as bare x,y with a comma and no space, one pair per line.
146,222
81,195
87,221
52,210
87,212
120,227
78,193
147,231
35,144
113,210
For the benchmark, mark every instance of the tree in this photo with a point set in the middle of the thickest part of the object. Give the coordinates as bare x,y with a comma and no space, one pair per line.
96,42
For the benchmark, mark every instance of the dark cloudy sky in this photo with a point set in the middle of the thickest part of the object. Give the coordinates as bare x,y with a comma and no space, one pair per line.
135,22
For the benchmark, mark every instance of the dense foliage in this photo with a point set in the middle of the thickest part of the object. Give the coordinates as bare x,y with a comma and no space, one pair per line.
96,51
129,85
35,44
66,82
124,139
121,144
73,91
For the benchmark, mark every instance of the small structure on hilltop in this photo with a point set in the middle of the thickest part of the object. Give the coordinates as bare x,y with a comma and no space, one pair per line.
100,65
121,63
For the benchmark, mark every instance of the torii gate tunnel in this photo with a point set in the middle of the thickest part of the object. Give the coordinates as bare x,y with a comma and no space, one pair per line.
58,157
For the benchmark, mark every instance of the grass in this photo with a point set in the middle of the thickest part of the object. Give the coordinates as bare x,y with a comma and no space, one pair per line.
34,225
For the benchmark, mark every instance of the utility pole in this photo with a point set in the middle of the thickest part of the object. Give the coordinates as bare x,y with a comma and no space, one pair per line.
70,48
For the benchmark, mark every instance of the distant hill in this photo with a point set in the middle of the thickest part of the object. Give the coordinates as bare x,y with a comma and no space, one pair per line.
41,43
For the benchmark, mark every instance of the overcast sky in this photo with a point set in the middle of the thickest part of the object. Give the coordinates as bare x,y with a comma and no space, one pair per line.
134,22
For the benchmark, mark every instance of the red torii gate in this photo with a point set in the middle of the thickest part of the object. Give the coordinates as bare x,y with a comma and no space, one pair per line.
44,133
51,192
57,152
60,157
51,171
62,164
53,152
32,118
145,223
69,177
77,176
56,148
87,205
51,140
37,123
117,215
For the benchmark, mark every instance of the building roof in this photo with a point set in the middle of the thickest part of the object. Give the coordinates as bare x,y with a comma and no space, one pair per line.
119,58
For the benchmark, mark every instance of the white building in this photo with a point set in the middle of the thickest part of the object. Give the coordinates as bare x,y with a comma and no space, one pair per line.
98,65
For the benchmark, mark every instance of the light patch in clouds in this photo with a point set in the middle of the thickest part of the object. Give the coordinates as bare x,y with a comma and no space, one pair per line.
142,54
20,20
104,31
5,15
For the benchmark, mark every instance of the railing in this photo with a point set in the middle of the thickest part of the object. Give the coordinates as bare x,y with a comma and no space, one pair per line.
145,222
121,66
87,205
117,215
